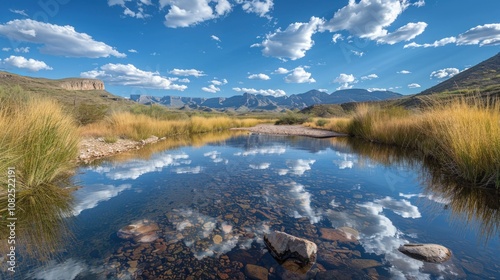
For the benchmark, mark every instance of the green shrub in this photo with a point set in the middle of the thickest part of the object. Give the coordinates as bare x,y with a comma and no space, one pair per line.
292,118
321,122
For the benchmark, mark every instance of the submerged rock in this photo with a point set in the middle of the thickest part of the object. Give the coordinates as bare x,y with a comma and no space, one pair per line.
256,272
343,234
432,253
284,246
143,231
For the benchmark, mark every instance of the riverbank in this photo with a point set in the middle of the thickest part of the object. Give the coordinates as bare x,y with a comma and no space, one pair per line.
291,130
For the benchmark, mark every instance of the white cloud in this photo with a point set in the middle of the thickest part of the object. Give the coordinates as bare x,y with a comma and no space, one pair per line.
132,51
129,75
482,35
6,49
19,12
185,13
299,193
23,63
299,76
189,170
377,89
404,33
419,3
271,92
401,207
369,77
139,13
187,72
293,42
218,83
281,70
438,43
356,53
323,90
404,72
215,38
69,269
345,80
337,37
370,18
444,73
22,50
56,39
259,7
259,76
414,85
211,89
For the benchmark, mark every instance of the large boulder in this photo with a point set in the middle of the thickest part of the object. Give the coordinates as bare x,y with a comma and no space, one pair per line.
432,253
143,231
284,246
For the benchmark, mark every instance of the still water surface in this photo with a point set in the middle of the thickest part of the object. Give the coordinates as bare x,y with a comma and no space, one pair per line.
213,203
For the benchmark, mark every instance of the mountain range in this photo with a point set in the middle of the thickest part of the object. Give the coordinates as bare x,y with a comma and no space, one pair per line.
258,102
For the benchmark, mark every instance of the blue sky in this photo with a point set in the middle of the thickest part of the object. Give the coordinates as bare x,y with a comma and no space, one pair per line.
208,48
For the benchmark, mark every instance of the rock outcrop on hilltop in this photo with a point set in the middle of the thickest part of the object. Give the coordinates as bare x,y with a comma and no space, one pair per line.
82,84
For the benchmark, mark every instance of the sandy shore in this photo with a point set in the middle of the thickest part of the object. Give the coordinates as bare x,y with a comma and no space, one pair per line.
297,130
95,148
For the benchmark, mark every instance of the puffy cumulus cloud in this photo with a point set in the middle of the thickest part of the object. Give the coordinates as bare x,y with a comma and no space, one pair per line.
259,76
281,70
370,18
133,51
56,39
214,86
303,201
271,92
414,85
259,7
23,63
299,76
337,37
369,77
187,72
6,49
129,75
293,42
69,269
211,88
482,35
138,11
345,80
357,53
444,73
185,13
188,170
404,72
345,161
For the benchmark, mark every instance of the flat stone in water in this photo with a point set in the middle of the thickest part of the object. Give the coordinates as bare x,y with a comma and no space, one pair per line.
432,253
256,272
217,239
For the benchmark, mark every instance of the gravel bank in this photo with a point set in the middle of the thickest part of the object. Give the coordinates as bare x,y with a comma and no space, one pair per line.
297,130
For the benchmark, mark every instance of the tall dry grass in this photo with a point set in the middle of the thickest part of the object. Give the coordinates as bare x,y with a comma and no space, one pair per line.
40,140
463,136
138,127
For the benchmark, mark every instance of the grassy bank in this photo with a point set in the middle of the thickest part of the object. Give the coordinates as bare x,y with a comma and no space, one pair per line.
463,136
137,127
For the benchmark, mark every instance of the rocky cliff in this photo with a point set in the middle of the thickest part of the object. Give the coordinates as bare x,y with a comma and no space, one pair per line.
81,84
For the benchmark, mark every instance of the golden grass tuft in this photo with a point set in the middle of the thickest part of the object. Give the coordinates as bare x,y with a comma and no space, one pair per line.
462,135
138,127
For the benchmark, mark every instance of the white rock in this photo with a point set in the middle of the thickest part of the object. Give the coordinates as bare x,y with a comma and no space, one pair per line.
284,246
432,253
